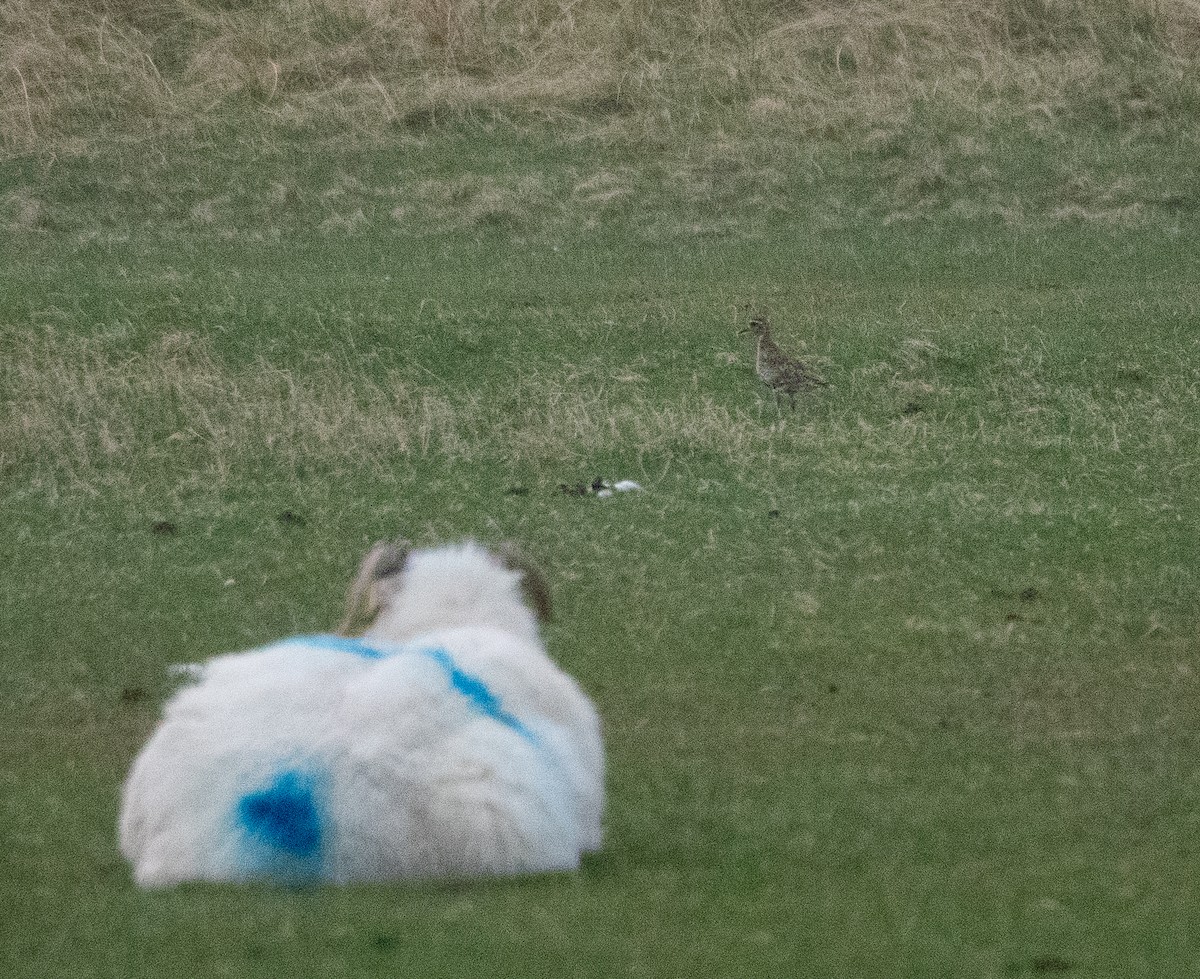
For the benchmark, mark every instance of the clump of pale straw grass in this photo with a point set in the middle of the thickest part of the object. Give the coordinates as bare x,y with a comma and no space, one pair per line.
82,68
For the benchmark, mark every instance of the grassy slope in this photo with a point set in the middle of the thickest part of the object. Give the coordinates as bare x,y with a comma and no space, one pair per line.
936,717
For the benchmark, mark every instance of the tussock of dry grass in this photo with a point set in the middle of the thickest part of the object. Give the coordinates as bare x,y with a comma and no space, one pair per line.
70,68
81,414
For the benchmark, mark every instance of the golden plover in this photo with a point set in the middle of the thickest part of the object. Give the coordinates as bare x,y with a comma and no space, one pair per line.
776,369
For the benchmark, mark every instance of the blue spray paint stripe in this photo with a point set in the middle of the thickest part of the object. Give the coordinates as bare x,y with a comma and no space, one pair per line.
477,693
339,644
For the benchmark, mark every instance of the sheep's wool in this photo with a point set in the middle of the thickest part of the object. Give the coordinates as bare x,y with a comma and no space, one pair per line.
415,751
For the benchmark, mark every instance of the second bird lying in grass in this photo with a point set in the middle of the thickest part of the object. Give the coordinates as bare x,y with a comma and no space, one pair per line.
776,369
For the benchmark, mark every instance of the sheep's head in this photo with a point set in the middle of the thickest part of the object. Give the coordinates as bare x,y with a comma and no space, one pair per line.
537,592
399,592
385,560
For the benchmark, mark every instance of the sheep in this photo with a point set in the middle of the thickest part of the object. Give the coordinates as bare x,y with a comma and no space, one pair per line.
438,740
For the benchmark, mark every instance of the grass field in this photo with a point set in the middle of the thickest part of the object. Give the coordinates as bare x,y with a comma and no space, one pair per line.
903,684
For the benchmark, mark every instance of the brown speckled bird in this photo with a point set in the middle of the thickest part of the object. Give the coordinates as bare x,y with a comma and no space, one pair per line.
776,369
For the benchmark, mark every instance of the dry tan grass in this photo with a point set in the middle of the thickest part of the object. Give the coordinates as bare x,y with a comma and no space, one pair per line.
80,68
85,414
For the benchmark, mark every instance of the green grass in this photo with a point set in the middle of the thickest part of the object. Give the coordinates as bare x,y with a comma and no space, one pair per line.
903,684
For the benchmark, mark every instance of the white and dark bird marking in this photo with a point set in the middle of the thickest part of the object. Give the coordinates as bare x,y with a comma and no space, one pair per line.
781,372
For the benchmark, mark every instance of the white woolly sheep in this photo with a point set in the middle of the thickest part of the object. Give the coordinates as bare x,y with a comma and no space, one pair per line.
442,741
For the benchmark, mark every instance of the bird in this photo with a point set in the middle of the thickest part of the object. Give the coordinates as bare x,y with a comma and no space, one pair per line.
776,369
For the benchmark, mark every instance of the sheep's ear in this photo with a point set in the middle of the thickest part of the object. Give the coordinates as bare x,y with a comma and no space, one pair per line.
385,559
537,592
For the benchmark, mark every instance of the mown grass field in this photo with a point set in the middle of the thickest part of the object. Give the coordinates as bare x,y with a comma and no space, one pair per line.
901,684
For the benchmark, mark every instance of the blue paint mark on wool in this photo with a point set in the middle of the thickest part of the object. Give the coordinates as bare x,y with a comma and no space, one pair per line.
478,694
284,815
339,644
